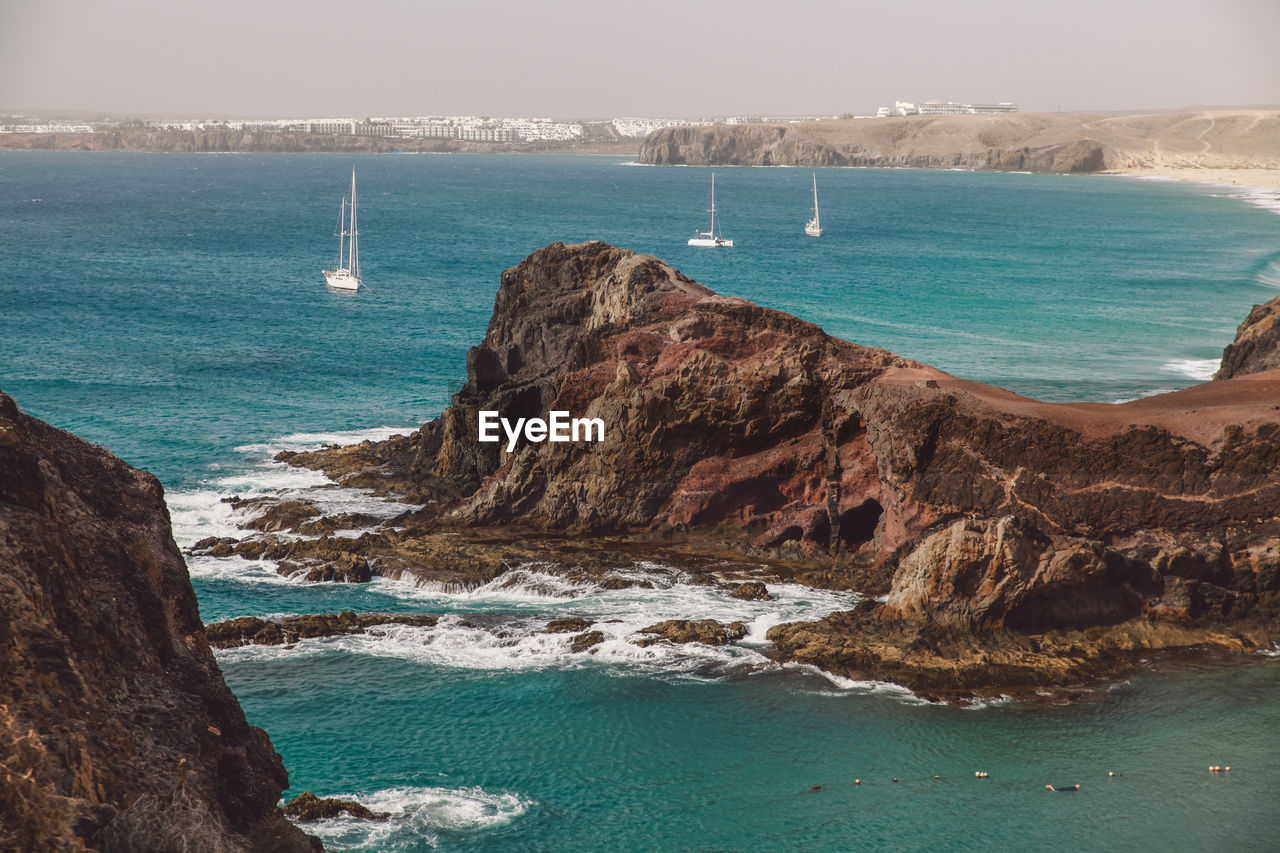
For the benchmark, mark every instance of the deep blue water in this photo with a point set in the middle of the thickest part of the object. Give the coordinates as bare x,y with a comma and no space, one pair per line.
171,308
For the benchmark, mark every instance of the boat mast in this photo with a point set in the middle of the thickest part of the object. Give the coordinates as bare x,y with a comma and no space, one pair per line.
817,223
342,230
712,235
353,254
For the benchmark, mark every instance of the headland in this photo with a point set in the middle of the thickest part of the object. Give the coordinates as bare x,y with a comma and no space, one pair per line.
1001,542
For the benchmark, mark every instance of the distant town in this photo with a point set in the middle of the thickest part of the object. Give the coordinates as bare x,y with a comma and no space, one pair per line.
469,128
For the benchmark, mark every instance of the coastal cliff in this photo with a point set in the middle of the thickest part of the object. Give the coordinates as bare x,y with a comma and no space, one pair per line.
1032,142
117,732
1017,542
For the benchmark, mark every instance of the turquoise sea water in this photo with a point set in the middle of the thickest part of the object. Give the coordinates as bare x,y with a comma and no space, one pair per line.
170,307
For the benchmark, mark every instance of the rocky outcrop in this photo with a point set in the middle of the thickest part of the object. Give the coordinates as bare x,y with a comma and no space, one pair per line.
252,631
1033,142
308,807
117,732
752,591
729,426
1256,347
709,632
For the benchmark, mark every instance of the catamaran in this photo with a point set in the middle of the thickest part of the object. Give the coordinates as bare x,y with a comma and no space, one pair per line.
814,226
346,275
710,239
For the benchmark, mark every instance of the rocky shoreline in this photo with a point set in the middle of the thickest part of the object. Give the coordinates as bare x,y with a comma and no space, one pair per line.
1014,544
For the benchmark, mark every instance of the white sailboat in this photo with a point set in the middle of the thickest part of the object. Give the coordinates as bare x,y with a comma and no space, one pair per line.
814,226
709,239
346,275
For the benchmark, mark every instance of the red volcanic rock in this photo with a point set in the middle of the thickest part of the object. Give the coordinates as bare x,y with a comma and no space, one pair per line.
978,510
117,732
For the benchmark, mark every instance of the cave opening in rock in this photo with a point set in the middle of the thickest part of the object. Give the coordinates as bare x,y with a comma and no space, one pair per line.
858,525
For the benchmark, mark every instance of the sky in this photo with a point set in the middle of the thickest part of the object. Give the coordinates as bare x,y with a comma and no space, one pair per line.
574,59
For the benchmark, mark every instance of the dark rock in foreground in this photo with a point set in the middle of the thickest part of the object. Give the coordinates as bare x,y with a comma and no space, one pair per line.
117,732
250,630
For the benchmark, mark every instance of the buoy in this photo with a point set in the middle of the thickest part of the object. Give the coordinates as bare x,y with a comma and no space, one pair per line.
895,778
816,788
857,781
1228,769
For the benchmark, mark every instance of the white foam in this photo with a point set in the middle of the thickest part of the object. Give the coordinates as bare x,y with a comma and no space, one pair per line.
417,816
527,598
862,686
237,569
315,440
1270,274
1193,368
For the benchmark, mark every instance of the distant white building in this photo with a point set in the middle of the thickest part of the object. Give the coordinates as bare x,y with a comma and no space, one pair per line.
46,128
534,129
344,126
636,127
935,108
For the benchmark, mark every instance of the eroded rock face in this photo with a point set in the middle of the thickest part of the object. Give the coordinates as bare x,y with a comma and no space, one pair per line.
888,142
1256,347
117,731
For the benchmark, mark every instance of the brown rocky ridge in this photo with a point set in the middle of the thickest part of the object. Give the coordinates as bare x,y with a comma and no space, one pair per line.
1015,542
1033,142
117,731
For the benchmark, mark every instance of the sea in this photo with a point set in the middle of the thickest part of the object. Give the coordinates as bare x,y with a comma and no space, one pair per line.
170,307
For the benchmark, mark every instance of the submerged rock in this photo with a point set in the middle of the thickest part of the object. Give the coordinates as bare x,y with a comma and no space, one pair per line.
117,731
752,591
308,807
251,630
586,640
569,624
706,631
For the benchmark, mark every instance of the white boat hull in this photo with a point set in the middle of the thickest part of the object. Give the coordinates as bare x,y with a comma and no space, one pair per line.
341,280
710,242
813,230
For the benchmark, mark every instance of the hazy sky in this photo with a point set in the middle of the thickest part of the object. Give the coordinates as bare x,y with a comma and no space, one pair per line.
580,59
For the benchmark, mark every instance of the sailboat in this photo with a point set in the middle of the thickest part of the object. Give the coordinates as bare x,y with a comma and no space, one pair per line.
814,226
710,239
346,275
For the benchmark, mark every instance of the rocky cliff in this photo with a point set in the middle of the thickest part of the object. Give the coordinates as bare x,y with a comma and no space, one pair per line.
1049,142
117,732
980,513
1256,347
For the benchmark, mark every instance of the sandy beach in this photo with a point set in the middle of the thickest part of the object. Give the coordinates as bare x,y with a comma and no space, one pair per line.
1267,178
